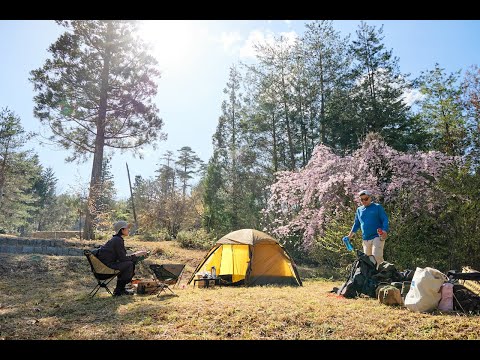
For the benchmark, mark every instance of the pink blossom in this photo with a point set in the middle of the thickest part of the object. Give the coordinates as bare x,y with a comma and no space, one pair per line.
306,201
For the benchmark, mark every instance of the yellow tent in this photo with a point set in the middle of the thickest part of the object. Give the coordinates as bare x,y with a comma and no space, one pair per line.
250,257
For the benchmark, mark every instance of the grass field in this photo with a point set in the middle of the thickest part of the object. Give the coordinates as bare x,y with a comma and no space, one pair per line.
46,297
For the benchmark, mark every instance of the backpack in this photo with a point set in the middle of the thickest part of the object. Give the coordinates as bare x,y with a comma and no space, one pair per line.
465,300
389,295
360,279
387,272
95,252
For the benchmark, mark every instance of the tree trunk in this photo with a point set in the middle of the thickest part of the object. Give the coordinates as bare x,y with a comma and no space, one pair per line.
95,179
322,103
3,173
274,142
235,178
291,151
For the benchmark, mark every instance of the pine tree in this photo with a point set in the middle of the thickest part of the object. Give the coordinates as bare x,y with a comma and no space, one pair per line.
379,96
222,184
276,62
45,188
105,199
328,63
442,109
11,139
97,92
187,163
471,99
166,175
19,172
215,218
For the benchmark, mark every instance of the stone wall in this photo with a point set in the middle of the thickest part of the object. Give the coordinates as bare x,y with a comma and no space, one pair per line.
55,234
18,245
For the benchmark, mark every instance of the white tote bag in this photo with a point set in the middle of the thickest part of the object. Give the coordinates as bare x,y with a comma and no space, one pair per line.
424,293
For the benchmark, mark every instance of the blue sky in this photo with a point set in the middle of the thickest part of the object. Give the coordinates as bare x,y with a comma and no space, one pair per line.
195,57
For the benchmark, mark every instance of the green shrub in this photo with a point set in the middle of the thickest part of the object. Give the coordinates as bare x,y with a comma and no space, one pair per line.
148,236
195,239
154,235
164,234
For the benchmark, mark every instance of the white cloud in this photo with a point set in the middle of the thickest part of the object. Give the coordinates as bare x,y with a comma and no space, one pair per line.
263,37
412,96
409,96
148,152
230,40
291,37
255,37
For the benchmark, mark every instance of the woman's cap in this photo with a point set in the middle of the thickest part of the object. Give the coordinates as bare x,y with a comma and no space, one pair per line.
120,225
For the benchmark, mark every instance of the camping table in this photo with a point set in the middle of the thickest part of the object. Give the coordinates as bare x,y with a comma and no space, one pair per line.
207,282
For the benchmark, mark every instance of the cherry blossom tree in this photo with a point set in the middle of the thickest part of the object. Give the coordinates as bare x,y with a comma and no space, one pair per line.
304,203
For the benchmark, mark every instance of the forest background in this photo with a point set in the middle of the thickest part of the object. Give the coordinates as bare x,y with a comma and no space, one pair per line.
301,130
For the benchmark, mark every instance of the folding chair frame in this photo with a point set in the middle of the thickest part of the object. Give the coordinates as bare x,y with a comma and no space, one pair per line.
102,284
164,276
103,274
164,287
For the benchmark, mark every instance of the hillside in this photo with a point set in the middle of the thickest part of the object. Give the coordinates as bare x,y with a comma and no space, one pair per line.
46,297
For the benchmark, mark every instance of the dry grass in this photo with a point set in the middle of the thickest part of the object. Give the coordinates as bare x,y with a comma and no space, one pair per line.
46,297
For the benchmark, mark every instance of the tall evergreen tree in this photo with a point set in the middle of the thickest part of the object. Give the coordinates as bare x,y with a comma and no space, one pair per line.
215,218
97,92
231,114
262,121
168,204
224,166
19,171
166,174
276,62
45,188
379,95
442,109
187,163
328,63
12,137
19,199
64,213
105,198
471,98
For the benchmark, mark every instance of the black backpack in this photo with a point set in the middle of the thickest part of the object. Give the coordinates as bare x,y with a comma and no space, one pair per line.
360,280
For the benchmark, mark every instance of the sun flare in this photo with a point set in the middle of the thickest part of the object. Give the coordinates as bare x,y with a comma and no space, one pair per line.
173,41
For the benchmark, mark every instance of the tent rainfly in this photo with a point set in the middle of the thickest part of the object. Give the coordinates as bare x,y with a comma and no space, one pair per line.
250,257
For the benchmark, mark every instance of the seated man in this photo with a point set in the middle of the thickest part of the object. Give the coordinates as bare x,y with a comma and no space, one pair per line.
114,255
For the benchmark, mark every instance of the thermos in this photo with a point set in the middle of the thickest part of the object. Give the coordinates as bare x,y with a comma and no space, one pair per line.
348,244
213,272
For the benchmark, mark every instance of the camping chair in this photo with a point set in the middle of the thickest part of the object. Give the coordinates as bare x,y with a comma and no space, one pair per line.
167,274
102,272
